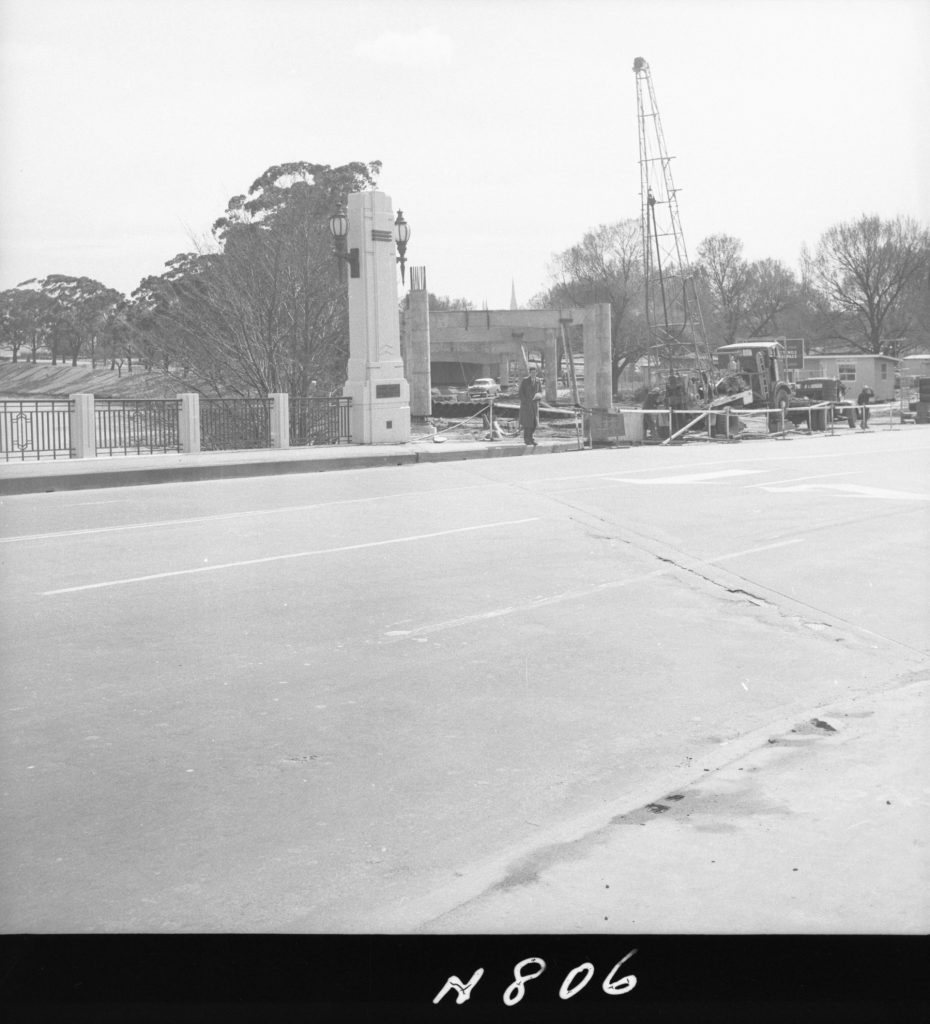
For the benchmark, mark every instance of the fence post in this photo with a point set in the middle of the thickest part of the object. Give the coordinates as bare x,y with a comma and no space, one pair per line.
83,427
280,422
189,422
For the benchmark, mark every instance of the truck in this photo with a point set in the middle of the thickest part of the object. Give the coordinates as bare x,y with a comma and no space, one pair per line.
826,393
753,375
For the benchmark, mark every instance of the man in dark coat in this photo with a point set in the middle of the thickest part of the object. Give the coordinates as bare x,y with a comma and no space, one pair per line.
529,405
864,395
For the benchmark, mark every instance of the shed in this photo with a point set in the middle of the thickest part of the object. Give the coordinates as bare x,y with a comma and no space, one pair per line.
855,370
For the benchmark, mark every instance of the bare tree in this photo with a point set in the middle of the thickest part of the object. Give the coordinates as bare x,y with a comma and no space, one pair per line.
772,291
728,279
865,270
605,266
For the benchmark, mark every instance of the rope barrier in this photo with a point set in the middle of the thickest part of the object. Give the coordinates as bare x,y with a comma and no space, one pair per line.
488,410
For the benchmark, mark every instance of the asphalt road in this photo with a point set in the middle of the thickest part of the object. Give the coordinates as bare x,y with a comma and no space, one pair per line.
348,701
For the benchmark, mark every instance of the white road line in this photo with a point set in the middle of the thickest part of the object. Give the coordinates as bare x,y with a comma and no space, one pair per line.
798,479
689,478
849,491
109,501
281,558
753,551
397,635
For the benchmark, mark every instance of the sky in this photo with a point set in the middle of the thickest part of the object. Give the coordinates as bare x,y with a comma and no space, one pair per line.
506,129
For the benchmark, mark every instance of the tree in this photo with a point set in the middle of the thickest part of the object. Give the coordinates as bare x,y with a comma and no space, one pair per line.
910,327
23,319
117,336
605,266
727,277
264,311
868,272
771,295
441,303
69,314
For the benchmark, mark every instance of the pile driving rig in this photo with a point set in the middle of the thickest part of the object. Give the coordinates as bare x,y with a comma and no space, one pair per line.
679,360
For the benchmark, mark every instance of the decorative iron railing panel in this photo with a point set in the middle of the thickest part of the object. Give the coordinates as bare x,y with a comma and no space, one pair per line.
319,421
35,430
231,424
144,427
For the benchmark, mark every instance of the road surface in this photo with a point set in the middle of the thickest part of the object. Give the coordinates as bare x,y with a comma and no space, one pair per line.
350,702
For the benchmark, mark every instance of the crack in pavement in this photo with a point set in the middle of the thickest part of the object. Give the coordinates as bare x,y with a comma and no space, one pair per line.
791,609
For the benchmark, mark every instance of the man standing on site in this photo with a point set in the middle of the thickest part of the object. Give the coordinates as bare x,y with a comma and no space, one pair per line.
865,396
529,405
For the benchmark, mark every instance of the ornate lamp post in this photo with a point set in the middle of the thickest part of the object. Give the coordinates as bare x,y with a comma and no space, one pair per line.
401,237
339,229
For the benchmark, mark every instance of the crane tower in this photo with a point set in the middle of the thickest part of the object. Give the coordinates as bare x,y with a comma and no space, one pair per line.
679,357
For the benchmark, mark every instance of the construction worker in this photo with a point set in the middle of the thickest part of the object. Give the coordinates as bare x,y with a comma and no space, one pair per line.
863,401
529,405
651,423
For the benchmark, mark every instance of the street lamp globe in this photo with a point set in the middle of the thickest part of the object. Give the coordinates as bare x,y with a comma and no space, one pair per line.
339,223
401,231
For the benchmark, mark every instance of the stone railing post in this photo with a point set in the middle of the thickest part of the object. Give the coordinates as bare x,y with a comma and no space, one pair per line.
83,427
189,422
280,421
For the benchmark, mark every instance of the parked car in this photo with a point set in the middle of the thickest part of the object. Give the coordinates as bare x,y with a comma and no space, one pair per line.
484,387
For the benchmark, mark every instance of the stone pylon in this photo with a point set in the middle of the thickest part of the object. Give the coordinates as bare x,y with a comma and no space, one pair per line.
375,380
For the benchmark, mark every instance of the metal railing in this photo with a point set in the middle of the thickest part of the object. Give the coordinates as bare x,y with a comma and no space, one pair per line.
35,430
231,424
319,420
144,427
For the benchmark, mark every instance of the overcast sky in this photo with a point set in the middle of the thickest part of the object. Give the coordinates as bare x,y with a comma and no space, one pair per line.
506,129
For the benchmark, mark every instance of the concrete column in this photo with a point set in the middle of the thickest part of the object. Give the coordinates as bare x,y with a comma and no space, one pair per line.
189,422
280,421
83,428
417,348
551,353
602,426
375,379
598,382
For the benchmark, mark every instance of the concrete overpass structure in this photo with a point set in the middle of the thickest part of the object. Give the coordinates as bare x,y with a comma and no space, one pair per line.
453,347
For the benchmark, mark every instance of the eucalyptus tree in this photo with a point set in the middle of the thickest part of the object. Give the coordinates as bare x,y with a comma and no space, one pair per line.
79,309
23,320
70,315
264,309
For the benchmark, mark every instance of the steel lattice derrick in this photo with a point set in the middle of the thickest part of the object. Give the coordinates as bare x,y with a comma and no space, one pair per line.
677,339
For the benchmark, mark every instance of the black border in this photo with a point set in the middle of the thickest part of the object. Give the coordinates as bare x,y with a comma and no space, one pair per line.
313,978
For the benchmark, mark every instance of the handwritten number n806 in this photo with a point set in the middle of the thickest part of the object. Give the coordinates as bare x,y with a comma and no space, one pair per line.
532,967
